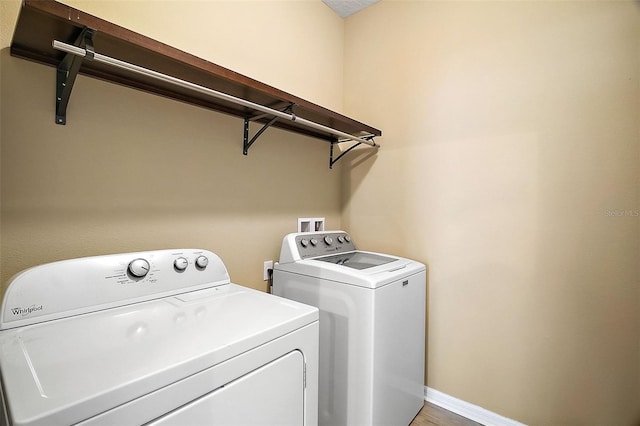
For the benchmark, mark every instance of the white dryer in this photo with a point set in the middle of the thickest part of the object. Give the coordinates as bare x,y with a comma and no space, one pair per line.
372,326
159,338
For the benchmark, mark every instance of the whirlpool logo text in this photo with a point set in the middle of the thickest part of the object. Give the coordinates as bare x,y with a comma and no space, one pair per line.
26,311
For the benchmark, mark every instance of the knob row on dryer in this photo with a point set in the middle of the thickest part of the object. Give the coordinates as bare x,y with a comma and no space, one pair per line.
139,268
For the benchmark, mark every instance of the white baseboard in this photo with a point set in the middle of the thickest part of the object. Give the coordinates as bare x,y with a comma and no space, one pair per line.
466,409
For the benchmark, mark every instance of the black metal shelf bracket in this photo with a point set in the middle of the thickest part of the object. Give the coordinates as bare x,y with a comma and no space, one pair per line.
246,143
333,161
67,72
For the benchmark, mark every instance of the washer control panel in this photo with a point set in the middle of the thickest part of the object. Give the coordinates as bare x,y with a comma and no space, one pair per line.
315,244
71,287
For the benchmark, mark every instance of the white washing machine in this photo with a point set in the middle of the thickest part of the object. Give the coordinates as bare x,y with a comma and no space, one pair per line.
158,338
372,326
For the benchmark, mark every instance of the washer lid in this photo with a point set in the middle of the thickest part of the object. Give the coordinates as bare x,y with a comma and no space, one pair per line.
68,370
358,259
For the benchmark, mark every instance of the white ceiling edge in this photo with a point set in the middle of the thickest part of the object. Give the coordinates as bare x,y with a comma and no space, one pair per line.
346,8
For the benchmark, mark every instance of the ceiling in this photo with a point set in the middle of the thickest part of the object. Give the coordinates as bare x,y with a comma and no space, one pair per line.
346,8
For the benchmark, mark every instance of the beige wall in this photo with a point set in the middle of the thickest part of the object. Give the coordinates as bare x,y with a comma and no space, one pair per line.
511,136
132,171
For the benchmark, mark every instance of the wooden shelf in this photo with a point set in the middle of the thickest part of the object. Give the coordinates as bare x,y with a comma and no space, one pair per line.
42,21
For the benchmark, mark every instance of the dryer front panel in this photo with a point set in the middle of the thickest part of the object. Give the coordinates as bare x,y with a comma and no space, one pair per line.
272,394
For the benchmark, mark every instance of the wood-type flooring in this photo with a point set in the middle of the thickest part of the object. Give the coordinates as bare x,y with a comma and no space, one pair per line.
433,415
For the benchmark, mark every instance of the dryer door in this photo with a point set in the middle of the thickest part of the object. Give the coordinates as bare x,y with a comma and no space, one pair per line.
271,395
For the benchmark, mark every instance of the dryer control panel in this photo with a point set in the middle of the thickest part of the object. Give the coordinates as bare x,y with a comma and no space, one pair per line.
305,245
71,287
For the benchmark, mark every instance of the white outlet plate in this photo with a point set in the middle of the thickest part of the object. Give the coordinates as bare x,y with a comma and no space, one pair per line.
310,224
268,264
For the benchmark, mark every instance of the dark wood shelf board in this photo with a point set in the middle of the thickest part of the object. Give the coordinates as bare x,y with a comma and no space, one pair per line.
42,21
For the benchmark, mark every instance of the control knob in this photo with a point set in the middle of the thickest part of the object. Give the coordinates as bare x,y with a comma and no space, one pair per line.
328,240
180,264
314,242
139,268
340,239
202,262
304,242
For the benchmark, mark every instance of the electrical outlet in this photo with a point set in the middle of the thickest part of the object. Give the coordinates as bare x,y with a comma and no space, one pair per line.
268,264
310,224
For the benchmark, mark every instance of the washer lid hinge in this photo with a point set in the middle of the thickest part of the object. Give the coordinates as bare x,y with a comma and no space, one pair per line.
68,70
246,143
